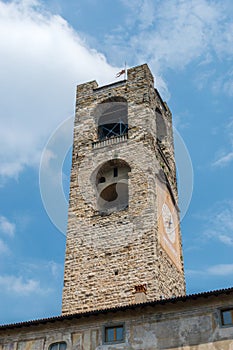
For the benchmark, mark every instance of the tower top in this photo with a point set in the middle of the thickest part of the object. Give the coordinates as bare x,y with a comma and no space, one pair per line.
138,72
139,80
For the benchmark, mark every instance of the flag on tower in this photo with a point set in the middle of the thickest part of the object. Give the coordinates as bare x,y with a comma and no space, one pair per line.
120,73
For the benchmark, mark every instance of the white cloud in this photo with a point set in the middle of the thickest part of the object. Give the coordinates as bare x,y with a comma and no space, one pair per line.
48,156
19,286
215,270
32,279
142,12
6,227
42,60
171,34
221,270
3,248
223,160
226,239
56,269
224,83
219,222
182,31
52,270
204,77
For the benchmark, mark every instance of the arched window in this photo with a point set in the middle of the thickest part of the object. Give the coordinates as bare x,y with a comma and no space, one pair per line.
160,125
112,194
58,346
112,115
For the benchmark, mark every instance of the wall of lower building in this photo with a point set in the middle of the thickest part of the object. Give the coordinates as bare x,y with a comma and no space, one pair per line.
193,324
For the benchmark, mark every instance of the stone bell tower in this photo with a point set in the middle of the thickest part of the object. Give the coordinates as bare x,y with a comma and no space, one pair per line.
123,237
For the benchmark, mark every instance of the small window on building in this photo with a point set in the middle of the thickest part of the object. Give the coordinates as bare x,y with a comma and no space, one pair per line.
58,346
114,334
227,317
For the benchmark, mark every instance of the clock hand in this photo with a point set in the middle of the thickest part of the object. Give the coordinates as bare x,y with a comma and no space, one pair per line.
169,222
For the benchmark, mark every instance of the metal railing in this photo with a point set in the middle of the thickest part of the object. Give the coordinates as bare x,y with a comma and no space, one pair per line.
110,141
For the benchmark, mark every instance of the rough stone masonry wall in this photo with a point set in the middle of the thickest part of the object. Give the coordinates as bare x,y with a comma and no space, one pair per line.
124,241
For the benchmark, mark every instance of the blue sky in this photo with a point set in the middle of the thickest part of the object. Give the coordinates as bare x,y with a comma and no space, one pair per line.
46,49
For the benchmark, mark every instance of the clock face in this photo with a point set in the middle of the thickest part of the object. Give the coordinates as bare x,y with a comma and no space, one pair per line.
168,223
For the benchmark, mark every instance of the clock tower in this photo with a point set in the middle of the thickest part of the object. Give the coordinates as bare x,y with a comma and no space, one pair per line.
123,236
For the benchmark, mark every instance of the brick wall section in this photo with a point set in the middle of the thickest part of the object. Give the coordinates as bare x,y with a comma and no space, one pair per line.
124,241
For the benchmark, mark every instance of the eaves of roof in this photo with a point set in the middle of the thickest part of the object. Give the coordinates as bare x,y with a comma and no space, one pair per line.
185,298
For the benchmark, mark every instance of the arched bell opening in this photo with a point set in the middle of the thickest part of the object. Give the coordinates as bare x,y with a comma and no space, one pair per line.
112,194
112,116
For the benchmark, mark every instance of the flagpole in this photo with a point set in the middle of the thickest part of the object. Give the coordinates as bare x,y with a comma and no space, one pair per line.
125,77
